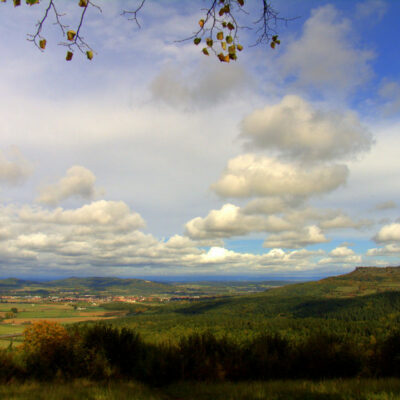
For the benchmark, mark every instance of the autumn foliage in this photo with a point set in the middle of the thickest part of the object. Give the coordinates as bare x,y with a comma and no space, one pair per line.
44,337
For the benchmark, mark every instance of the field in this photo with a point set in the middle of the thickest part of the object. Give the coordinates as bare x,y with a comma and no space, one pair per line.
62,313
360,389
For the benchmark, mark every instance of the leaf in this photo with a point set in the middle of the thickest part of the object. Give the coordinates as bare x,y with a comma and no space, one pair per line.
221,11
17,3
89,54
229,39
209,42
42,43
196,41
227,58
273,45
223,45
232,56
230,26
32,2
239,47
232,49
69,55
241,2
71,35
275,38
220,35
83,3
221,57
205,51
201,23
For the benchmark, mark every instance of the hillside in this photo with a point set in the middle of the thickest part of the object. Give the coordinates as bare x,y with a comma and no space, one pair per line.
366,293
360,282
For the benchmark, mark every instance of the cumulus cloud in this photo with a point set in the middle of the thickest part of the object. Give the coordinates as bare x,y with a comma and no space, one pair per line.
386,205
230,221
95,217
342,221
296,238
208,86
341,255
14,168
78,182
388,233
325,56
298,130
250,175
107,235
388,250
390,93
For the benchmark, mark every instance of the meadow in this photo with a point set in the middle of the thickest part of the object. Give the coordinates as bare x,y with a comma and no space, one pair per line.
351,389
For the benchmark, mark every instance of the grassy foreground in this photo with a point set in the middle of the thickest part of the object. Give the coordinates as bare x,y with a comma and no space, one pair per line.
352,389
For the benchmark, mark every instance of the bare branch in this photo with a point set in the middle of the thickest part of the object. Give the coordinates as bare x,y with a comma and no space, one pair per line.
134,13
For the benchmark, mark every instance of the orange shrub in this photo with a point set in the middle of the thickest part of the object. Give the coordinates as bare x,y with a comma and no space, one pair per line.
44,337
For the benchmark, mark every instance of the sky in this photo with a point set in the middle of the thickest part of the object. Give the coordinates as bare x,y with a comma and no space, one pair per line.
153,159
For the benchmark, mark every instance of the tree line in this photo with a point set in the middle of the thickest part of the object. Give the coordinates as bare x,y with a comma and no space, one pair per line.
105,352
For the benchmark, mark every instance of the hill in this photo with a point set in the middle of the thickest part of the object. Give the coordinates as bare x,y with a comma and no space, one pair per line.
366,293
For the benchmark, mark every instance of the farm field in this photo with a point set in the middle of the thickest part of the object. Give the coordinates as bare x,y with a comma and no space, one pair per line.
61,313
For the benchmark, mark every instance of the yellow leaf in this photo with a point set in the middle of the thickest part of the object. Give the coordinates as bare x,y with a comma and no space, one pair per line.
89,54
17,3
229,39
71,35
205,51
201,23
83,3
220,35
42,44
209,42
69,55
223,45
239,47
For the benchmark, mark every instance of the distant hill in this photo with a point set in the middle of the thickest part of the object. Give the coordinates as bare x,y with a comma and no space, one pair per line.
92,285
364,294
360,282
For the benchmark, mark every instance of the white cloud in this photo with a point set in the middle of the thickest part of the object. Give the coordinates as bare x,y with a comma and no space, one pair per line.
386,205
342,221
341,255
388,250
79,182
250,175
388,233
372,8
325,56
14,168
230,221
204,87
296,239
390,93
341,251
96,217
298,130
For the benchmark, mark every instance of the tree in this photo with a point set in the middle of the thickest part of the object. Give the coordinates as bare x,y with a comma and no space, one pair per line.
218,30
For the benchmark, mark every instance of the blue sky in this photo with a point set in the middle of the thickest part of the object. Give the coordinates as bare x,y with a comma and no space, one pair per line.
153,159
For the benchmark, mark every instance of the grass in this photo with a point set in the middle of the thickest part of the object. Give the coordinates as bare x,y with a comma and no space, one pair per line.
351,389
